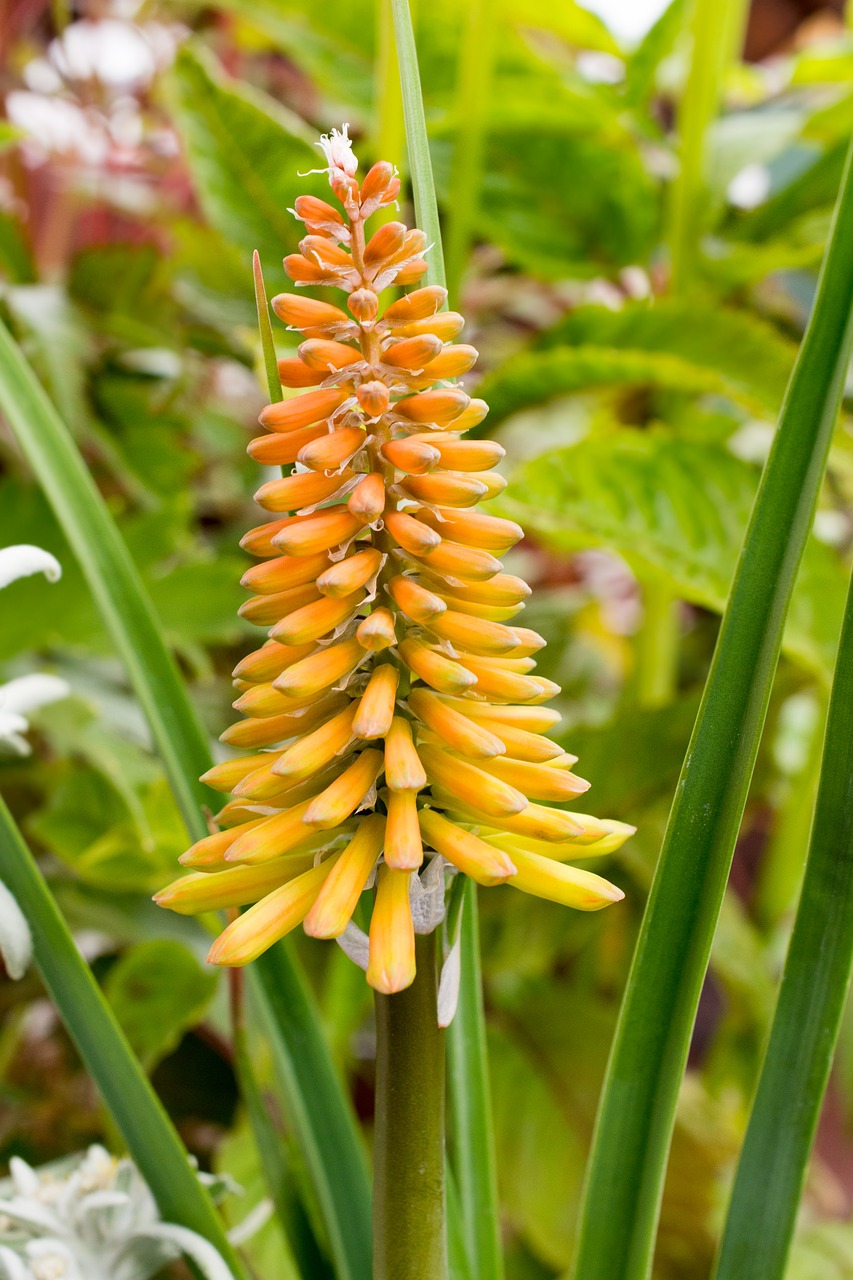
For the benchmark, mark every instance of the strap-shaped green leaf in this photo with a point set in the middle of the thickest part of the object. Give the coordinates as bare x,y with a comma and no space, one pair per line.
133,1104
775,1154
628,1162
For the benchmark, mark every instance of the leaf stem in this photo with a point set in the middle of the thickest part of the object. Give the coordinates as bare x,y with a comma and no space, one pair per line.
657,645
408,1191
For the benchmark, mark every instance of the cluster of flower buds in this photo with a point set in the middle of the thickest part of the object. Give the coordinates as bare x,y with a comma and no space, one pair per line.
395,700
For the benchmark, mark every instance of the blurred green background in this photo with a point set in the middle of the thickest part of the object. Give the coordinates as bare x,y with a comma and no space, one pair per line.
634,240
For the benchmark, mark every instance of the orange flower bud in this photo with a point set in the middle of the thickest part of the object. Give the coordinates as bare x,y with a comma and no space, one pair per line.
263,731
490,533
414,455
326,356
492,480
391,966
325,251
376,181
450,363
314,750
472,416
367,500
467,852
214,891
471,784
457,731
259,542
271,576
416,603
350,574
464,455
416,306
385,242
537,820
332,911
311,273
403,845
281,449
537,781
319,532
373,398
211,850
335,804
473,634
364,305
445,326
332,450
264,610
376,708
270,919
530,642
320,670
300,490
316,619
301,411
522,745
307,313
269,661
295,373
435,668
225,776
449,487
412,353
411,272
441,407
377,632
570,886
411,534
269,838
501,589
403,768
267,700
309,209
452,558
495,682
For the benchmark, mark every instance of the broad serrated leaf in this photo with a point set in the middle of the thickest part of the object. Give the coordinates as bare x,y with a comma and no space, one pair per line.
673,508
744,352
245,152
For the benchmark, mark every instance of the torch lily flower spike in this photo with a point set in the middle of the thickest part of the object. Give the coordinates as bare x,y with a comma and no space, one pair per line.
394,699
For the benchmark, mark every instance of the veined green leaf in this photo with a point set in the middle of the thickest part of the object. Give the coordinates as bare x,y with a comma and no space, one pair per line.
636,1117
245,152
158,990
676,509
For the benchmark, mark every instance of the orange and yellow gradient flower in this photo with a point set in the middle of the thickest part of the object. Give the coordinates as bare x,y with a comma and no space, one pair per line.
395,704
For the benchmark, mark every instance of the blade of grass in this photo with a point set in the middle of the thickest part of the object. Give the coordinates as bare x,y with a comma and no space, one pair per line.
129,617
417,142
328,1137
151,1139
468,1083
773,1162
637,1111
265,330
476,59
472,1140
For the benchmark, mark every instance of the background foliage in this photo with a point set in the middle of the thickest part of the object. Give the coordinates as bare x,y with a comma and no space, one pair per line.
147,153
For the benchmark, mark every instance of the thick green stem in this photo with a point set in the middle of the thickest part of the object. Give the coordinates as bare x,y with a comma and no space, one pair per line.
716,30
476,58
657,645
408,1154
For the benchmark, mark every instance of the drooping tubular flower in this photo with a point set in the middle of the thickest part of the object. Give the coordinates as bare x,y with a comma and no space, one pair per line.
395,701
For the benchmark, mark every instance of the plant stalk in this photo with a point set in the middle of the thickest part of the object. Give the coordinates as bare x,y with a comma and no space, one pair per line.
408,1190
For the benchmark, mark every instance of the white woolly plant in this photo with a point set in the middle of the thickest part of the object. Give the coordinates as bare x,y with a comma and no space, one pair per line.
17,698
93,1218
